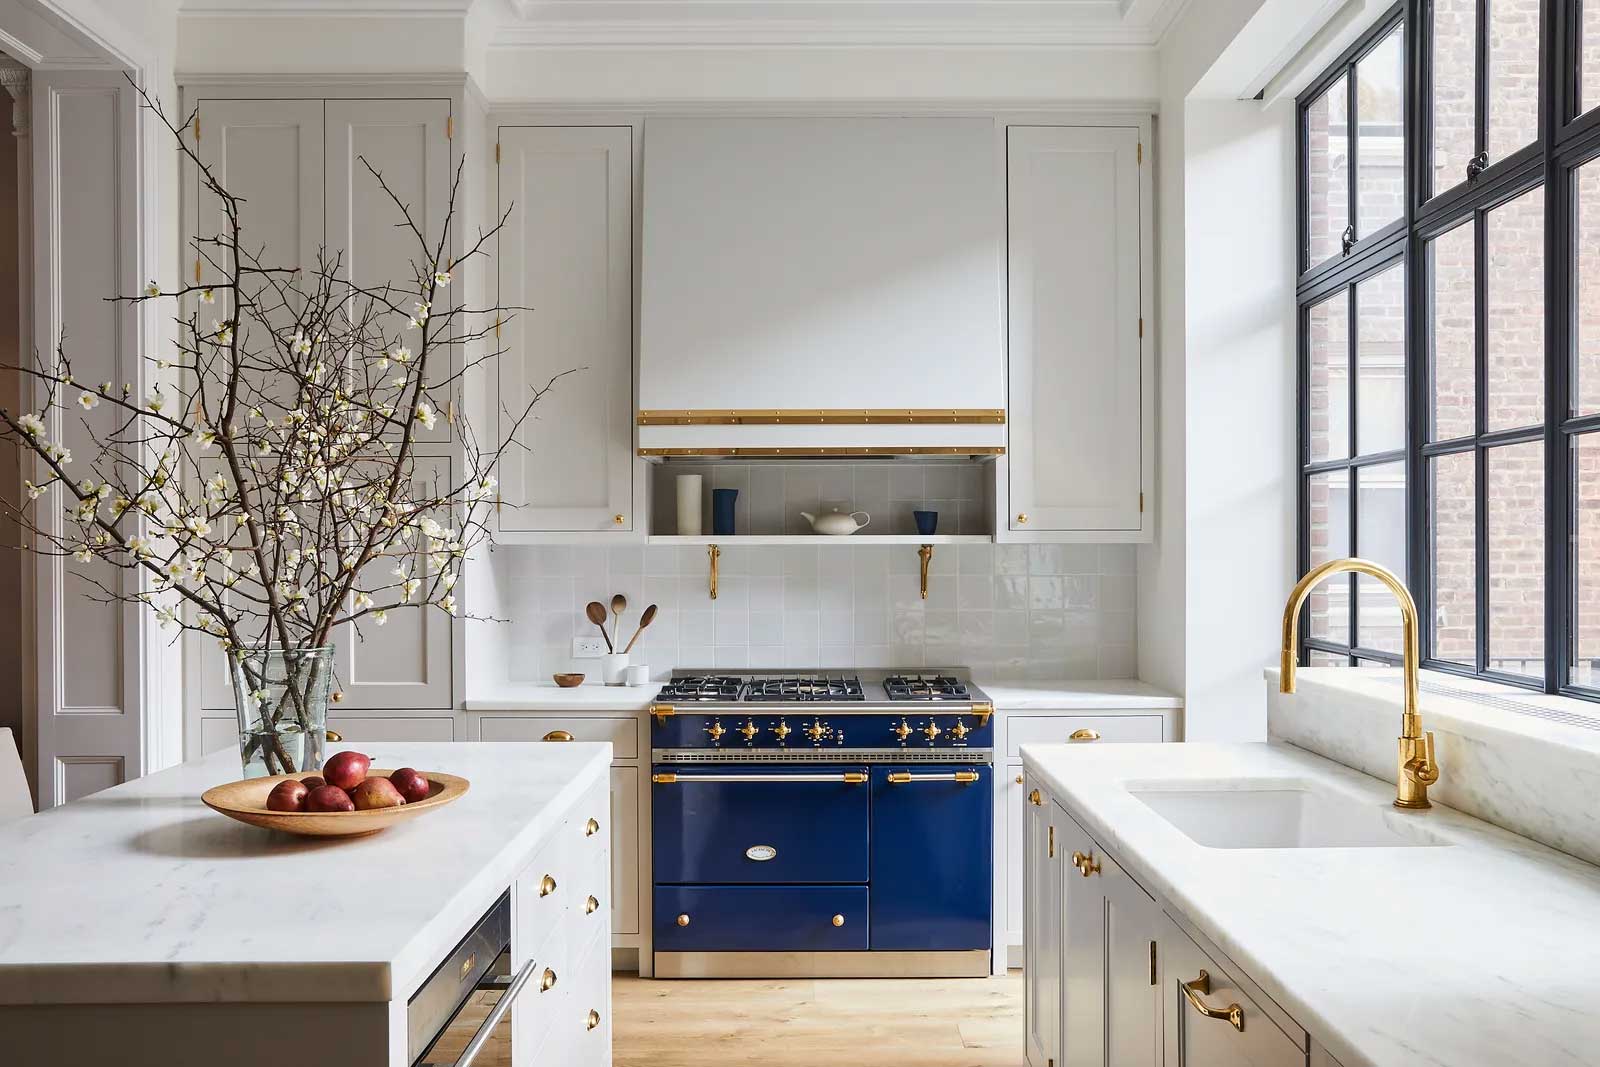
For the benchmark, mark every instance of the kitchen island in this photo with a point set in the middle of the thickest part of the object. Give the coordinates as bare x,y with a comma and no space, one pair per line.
1226,904
139,927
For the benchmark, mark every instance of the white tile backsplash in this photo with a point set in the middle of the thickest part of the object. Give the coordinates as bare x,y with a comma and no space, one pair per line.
1006,611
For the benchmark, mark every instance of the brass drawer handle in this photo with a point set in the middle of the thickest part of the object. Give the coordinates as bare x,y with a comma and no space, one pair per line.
547,885
591,906
838,920
593,1020
591,828
1192,992
683,920
1086,865
548,981
1036,799
558,735
1085,734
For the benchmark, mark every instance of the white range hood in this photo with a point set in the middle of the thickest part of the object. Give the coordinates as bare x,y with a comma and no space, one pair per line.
824,286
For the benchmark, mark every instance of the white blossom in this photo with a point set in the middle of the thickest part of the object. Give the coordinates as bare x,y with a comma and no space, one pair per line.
208,296
30,424
34,491
441,277
448,603
380,617
222,332
300,345
156,401
362,601
84,554
426,414
151,288
88,401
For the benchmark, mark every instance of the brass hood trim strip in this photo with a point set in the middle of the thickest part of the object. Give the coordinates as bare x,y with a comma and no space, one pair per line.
821,416
889,450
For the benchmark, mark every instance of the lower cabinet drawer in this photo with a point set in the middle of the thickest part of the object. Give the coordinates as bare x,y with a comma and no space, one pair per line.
1079,729
749,918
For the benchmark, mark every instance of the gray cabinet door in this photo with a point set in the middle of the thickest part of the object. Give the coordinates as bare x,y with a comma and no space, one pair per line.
1195,1039
1042,930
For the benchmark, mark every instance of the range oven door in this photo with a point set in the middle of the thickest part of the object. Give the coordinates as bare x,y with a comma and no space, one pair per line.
932,849
760,823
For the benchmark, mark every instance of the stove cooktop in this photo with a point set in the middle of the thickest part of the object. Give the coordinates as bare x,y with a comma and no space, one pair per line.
687,687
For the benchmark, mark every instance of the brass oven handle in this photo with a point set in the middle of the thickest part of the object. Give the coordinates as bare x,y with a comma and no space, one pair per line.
902,777
480,1037
1085,734
1202,985
558,735
848,777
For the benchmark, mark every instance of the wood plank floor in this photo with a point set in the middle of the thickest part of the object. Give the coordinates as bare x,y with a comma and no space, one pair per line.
948,1022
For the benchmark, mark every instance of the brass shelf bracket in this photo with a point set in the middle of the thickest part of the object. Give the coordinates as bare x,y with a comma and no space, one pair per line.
713,553
926,553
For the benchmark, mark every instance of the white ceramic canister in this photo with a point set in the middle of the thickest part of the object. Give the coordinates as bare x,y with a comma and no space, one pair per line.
636,674
689,497
612,667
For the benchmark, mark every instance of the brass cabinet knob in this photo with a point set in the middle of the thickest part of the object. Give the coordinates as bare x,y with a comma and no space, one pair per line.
683,920
1035,798
1086,865
547,885
838,920
617,519
1022,518
333,735
591,906
558,735
591,827
1078,858
1019,779
593,1020
547,982
1084,735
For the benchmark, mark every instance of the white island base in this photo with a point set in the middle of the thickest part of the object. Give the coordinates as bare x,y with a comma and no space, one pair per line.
139,928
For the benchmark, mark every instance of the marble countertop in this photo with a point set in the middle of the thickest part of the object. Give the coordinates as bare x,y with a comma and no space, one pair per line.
1483,952
1007,696
141,894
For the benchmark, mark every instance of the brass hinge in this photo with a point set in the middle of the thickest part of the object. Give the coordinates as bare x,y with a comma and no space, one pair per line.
197,270
1141,503
497,151
1052,846
1141,151
197,125
1152,963
1141,326
449,127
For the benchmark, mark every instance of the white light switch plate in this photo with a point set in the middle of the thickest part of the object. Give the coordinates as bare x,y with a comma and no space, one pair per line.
588,647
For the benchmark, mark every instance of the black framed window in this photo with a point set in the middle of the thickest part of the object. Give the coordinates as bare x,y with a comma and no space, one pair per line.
1450,338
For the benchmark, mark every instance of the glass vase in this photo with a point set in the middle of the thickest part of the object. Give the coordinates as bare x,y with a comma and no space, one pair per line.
281,696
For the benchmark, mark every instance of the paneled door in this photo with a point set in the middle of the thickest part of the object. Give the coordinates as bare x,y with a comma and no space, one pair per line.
1076,454
566,266
407,144
1041,935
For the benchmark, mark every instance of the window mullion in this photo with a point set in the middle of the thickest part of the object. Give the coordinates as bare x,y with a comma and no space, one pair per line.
1480,415
1480,87
1352,342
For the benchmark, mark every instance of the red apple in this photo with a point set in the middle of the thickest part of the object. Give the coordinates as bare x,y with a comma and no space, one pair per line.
346,769
329,798
288,796
412,785
376,792
313,781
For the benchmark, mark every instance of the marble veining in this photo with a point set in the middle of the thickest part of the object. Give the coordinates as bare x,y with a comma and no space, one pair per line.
141,894
1479,953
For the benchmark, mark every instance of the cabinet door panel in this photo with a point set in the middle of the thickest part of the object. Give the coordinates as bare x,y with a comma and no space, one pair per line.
1075,363
1041,938
566,264
1193,1040
1132,990
1083,971
1015,800
405,142
625,849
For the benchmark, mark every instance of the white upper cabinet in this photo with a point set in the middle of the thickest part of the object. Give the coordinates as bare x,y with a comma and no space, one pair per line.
1081,454
566,267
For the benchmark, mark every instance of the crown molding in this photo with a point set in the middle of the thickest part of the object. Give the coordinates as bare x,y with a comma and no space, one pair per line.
313,9
811,34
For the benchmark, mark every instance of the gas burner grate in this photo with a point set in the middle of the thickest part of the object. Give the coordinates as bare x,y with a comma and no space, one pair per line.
804,688
925,687
702,687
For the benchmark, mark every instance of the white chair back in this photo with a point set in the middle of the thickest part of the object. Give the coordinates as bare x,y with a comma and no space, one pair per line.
15,800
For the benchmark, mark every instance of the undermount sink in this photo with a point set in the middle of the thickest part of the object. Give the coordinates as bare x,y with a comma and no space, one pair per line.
1282,815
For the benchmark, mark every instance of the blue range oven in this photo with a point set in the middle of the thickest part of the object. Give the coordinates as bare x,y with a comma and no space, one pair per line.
822,826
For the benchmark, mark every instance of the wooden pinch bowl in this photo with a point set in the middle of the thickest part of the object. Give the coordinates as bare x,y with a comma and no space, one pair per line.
246,801
567,681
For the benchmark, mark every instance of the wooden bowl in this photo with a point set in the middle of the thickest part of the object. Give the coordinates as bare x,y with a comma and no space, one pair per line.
568,681
246,801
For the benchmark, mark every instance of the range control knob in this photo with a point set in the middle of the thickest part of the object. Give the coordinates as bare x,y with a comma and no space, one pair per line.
959,731
715,730
816,731
931,731
781,730
902,729
749,730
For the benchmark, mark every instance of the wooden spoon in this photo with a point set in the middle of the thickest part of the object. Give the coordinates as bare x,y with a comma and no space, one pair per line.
596,612
619,604
646,619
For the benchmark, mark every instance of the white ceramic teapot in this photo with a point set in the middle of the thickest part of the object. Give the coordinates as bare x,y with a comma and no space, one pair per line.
836,523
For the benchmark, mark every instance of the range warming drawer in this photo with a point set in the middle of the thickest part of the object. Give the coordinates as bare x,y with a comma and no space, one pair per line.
756,823
779,918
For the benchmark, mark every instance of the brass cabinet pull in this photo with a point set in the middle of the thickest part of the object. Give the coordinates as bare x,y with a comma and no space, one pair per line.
1086,865
547,885
902,777
593,1020
591,827
1192,991
617,519
333,736
558,735
591,906
1085,734
547,981
1050,849
838,920
1035,798
683,920
1078,858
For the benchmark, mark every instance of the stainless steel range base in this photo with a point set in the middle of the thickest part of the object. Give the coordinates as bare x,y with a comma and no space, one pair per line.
968,963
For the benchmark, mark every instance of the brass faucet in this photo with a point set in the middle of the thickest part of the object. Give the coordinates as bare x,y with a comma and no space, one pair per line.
1418,769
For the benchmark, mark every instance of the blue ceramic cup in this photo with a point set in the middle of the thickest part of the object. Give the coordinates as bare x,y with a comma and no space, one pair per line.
927,522
722,501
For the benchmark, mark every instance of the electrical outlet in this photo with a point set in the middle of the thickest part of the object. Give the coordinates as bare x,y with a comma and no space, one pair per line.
588,647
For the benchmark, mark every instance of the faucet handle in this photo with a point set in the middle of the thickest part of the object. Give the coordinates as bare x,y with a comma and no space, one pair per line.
1429,771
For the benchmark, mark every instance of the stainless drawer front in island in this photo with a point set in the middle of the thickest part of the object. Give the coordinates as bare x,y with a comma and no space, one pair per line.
437,1002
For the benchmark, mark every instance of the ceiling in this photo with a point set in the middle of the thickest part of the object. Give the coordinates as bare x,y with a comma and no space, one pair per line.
765,23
